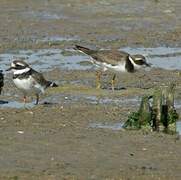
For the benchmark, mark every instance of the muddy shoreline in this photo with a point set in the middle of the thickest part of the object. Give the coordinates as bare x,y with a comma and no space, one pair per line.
57,140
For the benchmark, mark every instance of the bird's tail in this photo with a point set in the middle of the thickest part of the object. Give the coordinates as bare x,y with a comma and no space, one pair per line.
51,84
83,49
148,64
1,80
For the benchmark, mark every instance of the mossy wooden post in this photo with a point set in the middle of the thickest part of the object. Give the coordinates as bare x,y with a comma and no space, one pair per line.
169,114
144,112
170,96
157,109
141,118
172,114
164,116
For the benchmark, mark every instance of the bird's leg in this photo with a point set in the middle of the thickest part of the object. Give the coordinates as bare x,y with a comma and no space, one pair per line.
24,99
113,82
140,79
98,79
37,99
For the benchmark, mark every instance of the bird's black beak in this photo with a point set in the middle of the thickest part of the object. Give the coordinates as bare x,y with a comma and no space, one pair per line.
9,69
148,64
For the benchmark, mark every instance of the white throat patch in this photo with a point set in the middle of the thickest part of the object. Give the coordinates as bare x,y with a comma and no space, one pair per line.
134,64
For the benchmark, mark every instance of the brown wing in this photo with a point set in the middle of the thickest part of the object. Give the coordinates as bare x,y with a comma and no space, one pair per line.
39,78
110,56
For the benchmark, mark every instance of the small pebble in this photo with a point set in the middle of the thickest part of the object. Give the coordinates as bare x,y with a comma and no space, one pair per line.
21,132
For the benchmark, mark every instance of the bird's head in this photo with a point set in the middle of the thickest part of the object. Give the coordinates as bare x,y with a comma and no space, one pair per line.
19,67
139,60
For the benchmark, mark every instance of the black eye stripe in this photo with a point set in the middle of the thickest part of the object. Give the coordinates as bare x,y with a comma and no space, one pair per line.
139,62
19,67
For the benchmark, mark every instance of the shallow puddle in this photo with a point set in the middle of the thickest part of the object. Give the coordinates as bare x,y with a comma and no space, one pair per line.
60,98
16,104
68,99
119,126
178,127
47,59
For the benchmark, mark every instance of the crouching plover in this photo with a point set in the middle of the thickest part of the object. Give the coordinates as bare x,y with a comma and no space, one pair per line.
28,80
1,80
114,60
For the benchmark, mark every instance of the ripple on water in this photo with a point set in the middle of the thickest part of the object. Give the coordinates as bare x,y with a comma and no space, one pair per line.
16,104
161,57
47,58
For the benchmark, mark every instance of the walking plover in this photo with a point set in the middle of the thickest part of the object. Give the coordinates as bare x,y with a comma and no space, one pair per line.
28,80
114,60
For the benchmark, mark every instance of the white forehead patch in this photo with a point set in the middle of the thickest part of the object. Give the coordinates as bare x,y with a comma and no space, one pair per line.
138,58
131,59
12,64
20,63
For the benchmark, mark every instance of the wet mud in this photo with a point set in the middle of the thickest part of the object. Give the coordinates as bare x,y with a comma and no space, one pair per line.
76,130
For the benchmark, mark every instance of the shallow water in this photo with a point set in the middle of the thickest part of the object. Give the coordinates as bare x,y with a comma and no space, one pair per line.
178,127
16,104
47,59
119,126
62,99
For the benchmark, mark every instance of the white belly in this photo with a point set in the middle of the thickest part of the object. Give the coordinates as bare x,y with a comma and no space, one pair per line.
28,85
119,68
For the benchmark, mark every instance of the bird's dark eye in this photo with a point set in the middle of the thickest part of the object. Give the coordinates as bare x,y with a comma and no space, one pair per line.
18,66
139,62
